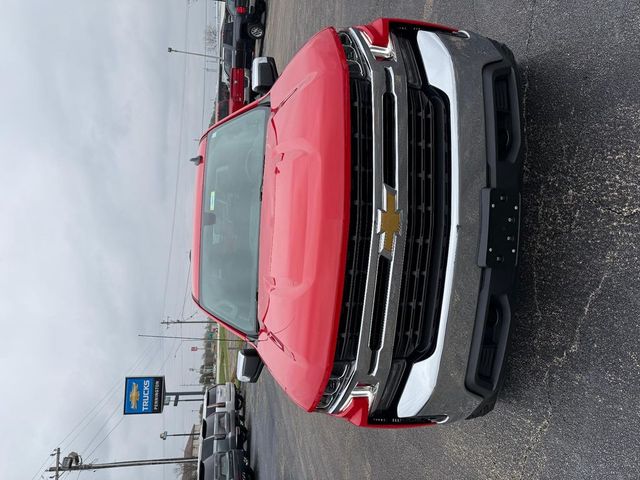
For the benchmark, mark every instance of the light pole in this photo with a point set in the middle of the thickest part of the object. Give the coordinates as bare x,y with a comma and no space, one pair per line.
173,50
164,435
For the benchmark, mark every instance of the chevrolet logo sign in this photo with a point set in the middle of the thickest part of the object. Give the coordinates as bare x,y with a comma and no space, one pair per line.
389,222
134,396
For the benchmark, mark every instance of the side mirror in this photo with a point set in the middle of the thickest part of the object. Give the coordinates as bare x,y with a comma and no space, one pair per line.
249,365
263,74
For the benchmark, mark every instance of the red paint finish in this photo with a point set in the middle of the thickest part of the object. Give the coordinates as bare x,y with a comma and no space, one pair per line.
305,219
197,220
378,30
357,412
236,91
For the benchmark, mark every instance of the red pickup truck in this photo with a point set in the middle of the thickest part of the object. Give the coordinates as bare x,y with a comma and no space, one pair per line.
237,50
358,224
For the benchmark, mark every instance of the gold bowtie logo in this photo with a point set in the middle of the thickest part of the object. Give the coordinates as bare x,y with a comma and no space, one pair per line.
389,222
134,396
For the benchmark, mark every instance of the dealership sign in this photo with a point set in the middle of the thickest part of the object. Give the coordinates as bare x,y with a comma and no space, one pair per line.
143,395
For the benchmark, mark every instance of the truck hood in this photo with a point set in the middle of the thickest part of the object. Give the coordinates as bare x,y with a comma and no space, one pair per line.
305,219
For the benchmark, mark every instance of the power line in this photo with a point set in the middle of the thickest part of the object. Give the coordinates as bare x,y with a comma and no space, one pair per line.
92,414
104,424
186,291
107,436
39,472
177,183
110,393
100,405
117,408
175,196
114,389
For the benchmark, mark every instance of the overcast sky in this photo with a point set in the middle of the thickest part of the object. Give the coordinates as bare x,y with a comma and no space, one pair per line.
91,106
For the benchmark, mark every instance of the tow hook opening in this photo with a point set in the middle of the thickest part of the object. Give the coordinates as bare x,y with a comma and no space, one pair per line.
489,346
490,341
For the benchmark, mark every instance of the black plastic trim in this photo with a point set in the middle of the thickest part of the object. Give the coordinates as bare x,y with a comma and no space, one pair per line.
490,339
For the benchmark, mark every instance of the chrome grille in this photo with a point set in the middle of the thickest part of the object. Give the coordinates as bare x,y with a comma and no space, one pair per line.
361,213
427,220
391,299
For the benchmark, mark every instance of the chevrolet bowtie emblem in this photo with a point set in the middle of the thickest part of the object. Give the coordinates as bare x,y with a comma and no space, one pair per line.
389,222
134,396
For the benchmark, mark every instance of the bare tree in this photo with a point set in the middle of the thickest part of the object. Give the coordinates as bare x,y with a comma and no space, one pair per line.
210,37
186,471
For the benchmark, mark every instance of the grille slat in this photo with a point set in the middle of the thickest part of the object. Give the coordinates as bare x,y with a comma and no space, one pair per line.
361,213
379,307
411,313
427,210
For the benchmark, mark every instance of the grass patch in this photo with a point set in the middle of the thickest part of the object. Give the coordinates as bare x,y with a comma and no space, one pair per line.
227,357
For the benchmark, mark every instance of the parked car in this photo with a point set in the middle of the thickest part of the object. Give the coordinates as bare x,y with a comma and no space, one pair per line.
222,436
249,15
242,25
222,431
223,397
359,223
230,465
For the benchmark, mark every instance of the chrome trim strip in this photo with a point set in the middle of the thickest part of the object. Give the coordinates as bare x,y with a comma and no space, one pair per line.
371,369
423,376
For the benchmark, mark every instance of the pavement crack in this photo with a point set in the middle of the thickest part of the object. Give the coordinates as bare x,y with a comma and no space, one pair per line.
575,344
538,434
624,212
576,338
427,11
475,14
534,264
536,438
525,87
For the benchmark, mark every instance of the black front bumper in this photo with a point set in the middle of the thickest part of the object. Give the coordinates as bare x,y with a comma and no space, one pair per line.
486,256
500,229
425,340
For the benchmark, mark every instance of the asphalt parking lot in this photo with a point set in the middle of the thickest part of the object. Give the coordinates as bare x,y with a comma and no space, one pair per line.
570,404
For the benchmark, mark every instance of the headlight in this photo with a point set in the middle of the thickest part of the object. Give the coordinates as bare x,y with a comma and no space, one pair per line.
337,383
381,53
354,60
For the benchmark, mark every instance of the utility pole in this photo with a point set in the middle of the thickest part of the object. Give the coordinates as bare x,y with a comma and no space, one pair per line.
57,467
69,467
194,338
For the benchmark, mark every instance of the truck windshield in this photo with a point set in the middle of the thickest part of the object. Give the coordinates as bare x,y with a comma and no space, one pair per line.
231,219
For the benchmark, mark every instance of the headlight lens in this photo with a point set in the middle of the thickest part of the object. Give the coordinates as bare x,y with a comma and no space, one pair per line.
354,60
